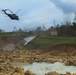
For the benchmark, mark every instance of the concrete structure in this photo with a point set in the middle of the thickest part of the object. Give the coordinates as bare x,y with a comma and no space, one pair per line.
54,33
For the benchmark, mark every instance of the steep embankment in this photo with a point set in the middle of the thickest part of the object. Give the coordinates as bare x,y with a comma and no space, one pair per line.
11,39
45,42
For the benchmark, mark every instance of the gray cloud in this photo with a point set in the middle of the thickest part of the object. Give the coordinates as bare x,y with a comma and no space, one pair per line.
67,6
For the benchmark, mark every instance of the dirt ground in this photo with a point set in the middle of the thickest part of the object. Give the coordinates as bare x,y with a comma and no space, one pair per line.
62,53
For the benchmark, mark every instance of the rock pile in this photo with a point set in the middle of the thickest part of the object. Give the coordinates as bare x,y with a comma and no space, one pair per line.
55,73
24,56
52,73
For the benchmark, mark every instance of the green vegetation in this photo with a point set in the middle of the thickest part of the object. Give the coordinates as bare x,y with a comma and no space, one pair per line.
41,41
9,34
45,41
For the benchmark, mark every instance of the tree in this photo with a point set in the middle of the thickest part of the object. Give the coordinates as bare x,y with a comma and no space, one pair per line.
1,31
75,18
38,30
14,29
20,30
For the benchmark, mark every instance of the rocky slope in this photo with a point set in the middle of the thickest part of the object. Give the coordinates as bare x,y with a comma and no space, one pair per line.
25,56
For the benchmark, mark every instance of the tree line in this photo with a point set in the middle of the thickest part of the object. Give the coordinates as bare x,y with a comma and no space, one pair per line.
67,29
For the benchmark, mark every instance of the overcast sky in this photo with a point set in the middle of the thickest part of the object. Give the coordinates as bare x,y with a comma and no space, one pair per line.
36,13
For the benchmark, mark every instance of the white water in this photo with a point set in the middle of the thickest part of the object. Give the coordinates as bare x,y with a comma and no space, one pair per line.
42,68
28,39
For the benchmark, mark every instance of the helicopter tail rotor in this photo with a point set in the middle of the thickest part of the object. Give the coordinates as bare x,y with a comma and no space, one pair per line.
17,11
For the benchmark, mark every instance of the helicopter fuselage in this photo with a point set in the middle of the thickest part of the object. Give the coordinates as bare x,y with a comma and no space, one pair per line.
11,16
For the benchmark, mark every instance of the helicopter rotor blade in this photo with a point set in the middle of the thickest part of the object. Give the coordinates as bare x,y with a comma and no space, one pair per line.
17,11
7,10
10,11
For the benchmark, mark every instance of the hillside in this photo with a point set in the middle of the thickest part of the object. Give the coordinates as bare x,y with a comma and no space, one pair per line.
8,40
47,41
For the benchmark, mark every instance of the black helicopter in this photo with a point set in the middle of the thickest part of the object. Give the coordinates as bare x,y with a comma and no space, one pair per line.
12,16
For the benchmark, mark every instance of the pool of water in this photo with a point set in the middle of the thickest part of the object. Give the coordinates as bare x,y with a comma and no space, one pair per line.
42,68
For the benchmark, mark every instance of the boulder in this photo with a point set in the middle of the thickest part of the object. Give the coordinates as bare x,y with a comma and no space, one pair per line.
74,73
29,73
52,73
18,71
3,74
17,74
68,73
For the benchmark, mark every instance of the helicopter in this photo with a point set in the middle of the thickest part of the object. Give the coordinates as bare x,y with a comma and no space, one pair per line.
12,16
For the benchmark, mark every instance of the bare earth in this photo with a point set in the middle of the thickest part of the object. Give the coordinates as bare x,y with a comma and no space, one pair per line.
62,53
